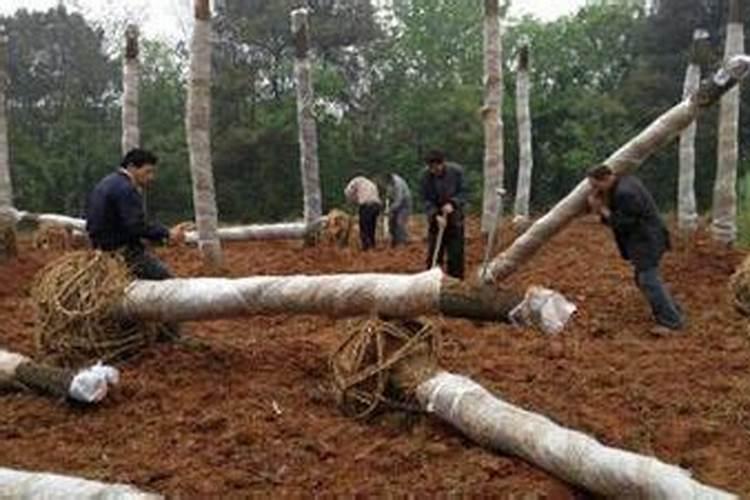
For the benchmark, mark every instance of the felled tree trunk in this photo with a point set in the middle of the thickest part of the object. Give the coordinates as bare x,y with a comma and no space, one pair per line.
73,223
308,133
131,135
89,385
283,231
687,215
525,158
724,214
338,295
198,126
570,455
492,114
21,484
8,247
624,160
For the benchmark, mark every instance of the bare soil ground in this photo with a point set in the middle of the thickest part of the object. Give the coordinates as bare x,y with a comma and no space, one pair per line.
251,414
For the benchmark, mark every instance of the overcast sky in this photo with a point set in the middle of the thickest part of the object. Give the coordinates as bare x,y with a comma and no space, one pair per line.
170,18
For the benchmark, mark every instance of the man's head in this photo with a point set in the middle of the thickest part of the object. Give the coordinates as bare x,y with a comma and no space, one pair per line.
601,178
140,165
435,161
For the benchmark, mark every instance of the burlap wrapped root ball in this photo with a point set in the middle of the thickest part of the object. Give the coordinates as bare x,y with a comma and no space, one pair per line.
75,298
380,364
739,284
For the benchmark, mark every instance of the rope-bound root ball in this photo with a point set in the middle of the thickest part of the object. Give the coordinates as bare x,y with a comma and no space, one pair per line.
380,363
75,297
739,283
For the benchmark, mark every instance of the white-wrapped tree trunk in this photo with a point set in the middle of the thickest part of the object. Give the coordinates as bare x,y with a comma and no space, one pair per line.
492,113
131,134
724,213
198,126
570,455
7,226
525,158
308,133
281,231
36,485
687,214
625,159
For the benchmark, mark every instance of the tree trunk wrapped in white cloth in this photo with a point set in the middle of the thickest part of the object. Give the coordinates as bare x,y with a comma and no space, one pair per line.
687,215
22,484
8,247
89,385
282,231
72,223
570,455
198,127
525,155
492,114
724,213
624,160
338,295
131,133
308,132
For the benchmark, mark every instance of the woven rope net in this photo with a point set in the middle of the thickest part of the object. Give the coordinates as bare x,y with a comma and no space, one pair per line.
739,284
380,364
75,297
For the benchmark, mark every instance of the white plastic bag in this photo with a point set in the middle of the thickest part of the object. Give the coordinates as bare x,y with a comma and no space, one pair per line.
544,309
92,384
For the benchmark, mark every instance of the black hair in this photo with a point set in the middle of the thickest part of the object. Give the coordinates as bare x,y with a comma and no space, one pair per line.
434,156
599,172
138,157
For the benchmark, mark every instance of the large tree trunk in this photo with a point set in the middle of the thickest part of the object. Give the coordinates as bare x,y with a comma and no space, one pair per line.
567,454
624,160
492,114
131,135
308,134
724,214
21,484
337,295
282,231
525,158
8,247
687,215
198,126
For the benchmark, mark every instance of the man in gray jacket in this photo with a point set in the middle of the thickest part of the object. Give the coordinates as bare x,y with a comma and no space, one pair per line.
399,208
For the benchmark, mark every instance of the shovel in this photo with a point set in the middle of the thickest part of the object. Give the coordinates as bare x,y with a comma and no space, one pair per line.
439,239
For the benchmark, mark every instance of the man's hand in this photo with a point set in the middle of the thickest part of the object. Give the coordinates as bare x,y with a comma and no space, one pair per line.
177,233
442,221
447,209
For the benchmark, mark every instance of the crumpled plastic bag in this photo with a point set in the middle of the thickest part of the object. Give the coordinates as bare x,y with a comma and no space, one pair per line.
91,385
544,309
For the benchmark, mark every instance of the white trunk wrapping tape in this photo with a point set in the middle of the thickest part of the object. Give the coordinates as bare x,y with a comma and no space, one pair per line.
66,221
567,454
91,385
397,295
9,361
33,485
286,231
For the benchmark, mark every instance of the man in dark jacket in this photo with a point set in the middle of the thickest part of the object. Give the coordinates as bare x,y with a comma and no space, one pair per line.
115,219
642,238
444,198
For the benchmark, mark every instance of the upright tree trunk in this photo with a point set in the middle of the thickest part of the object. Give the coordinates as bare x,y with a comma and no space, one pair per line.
724,220
624,160
198,126
8,247
525,158
687,215
308,134
492,114
131,135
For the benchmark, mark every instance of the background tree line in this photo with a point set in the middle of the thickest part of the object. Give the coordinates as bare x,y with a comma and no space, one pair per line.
390,85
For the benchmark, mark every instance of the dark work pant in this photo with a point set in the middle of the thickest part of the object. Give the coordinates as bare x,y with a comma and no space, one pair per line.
368,222
146,266
398,226
453,244
665,309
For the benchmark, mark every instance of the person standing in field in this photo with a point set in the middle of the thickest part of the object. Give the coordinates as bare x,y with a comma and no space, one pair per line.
399,208
363,192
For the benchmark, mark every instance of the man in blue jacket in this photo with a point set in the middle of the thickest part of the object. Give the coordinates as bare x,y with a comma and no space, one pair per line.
444,199
627,207
115,218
